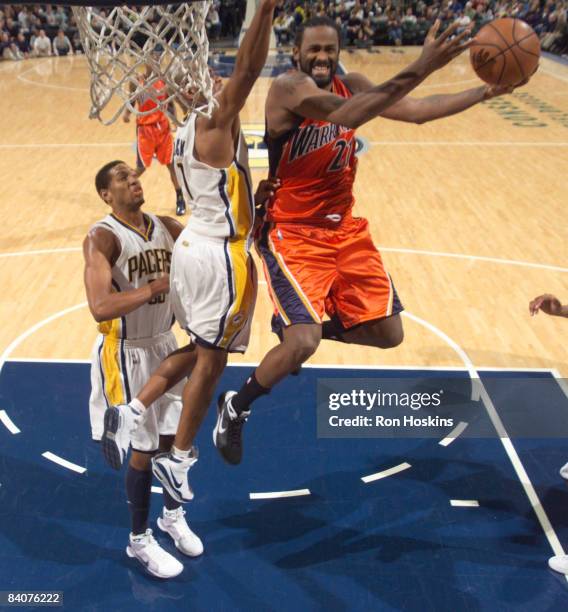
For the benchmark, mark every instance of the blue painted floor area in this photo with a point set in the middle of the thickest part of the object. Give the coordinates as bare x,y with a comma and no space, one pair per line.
394,544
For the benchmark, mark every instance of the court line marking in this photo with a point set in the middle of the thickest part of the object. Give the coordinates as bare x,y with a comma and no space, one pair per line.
42,252
560,381
386,473
478,388
330,366
8,423
473,143
476,383
464,503
455,433
552,74
48,60
64,463
280,494
157,489
66,145
15,343
510,262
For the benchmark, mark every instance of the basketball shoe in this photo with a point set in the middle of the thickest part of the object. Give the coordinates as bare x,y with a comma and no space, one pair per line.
171,471
227,435
180,205
559,563
174,523
120,421
152,556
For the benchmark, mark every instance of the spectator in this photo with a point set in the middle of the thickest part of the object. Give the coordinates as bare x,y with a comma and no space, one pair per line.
42,45
395,29
353,27
283,28
213,23
23,46
61,44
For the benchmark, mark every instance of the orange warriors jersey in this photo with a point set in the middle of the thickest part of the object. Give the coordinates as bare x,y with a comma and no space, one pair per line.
316,165
318,259
153,130
146,103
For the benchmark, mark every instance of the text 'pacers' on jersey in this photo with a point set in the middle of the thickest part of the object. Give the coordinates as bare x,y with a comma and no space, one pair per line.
143,258
316,164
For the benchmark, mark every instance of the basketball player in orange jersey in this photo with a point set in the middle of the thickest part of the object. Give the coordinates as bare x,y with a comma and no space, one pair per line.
154,137
319,259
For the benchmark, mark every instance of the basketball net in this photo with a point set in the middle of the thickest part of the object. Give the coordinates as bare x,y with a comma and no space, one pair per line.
131,49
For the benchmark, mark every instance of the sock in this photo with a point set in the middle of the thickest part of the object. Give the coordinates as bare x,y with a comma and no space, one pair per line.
249,392
137,405
138,491
179,193
180,454
332,330
169,502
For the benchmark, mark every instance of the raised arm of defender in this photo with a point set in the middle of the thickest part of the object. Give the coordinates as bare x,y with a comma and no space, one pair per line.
298,95
249,63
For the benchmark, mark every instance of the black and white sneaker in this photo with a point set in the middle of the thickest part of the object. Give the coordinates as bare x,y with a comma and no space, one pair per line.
119,424
227,435
180,206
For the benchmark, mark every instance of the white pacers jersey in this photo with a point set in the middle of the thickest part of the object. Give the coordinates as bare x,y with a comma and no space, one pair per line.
220,199
143,258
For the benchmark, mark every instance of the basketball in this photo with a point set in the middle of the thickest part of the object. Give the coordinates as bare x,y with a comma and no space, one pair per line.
505,52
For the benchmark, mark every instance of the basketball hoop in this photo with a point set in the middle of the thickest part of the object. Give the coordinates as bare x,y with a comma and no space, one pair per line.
130,49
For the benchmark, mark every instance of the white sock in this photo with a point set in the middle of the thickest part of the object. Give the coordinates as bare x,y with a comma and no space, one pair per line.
180,454
138,405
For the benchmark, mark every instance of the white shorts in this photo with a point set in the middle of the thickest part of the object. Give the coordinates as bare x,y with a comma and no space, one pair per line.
119,369
213,290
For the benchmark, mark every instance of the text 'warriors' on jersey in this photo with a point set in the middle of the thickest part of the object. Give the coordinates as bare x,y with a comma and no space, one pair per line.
220,199
316,164
143,258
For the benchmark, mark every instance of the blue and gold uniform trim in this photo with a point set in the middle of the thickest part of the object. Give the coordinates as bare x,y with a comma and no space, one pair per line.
289,300
147,235
114,373
236,193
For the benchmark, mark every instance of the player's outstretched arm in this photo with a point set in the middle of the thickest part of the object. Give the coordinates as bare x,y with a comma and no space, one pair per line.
99,249
249,63
298,93
422,110
549,304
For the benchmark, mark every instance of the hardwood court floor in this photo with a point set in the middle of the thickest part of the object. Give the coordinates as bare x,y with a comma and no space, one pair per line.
469,213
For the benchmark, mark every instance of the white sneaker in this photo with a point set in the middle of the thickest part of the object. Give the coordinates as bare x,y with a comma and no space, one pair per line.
171,471
559,564
152,556
120,421
564,471
174,523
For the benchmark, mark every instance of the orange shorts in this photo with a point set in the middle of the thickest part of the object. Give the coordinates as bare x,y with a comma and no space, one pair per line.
154,139
338,271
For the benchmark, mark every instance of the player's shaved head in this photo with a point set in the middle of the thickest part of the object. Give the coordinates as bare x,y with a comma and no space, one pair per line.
103,177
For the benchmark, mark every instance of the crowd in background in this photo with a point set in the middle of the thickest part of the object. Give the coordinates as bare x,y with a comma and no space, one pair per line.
37,30
42,30
405,22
